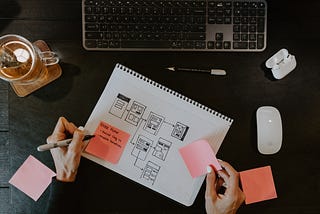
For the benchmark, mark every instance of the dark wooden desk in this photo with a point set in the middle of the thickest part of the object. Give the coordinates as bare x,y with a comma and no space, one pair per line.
27,123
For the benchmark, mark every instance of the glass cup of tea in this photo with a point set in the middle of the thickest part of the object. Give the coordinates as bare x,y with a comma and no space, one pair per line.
21,62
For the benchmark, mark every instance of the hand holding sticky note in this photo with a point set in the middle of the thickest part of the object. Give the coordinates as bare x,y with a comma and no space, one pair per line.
257,184
198,156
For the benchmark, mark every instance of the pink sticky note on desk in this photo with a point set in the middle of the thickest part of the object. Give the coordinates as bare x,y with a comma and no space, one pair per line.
108,143
32,178
198,156
258,184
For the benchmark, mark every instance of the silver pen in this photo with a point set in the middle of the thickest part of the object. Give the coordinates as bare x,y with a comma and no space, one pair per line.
210,71
61,143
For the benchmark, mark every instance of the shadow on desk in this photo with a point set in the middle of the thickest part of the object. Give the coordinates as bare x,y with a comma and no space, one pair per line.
104,191
267,72
59,88
8,11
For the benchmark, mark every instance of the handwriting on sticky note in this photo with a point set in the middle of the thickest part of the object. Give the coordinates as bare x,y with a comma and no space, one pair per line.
197,156
108,143
258,184
32,178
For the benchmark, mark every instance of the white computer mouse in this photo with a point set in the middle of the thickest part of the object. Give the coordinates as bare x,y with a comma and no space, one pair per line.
269,130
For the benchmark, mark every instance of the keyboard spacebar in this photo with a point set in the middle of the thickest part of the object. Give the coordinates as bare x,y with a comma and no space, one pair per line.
145,44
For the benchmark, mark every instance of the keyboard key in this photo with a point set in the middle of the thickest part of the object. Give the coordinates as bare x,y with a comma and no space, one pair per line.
194,36
218,45
200,45
91,18
244,28
260,24
219,36
244,37
103,44
252,45
236,28
88,10
114,44
91,43
236,36
226,45
252,28
146,44
261,5
94,35
176,44
92,27
240,45
210,45
188,44
211,20
252,37
260,41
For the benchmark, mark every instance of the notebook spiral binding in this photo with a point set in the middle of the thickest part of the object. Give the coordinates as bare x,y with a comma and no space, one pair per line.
174,93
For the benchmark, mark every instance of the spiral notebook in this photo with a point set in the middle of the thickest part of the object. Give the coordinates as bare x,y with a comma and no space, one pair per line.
140,125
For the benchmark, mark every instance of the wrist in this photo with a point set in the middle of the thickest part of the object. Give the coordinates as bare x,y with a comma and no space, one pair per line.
66,176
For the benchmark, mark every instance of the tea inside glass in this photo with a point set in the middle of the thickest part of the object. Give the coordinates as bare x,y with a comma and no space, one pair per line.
20,61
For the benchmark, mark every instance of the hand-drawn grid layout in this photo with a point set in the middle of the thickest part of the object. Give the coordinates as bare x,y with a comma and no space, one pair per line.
143,145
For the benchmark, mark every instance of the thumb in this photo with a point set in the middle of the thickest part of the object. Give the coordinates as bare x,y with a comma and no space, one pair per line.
211,185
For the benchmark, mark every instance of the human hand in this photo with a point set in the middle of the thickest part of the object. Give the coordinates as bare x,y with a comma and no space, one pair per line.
231,199
66,159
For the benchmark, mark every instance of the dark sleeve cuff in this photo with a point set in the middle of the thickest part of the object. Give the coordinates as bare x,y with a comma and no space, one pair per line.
63,197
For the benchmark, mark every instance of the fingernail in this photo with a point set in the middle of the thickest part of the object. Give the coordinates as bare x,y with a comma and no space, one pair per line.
224,185
81,128
209,169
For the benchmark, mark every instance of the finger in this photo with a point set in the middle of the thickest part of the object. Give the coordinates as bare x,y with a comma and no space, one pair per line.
210,185
233,174
64,126
59,128
56,136
231,178
225,177
220,182
68,126
77,141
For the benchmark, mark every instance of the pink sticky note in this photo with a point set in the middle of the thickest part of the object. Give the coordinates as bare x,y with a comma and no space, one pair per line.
258,185
32,178
198,156
109,143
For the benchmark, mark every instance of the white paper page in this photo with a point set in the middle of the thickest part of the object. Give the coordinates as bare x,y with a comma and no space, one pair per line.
159,122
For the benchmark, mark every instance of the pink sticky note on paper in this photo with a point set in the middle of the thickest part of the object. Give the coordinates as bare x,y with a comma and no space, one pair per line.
258,184
108,143
198,156
32,178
